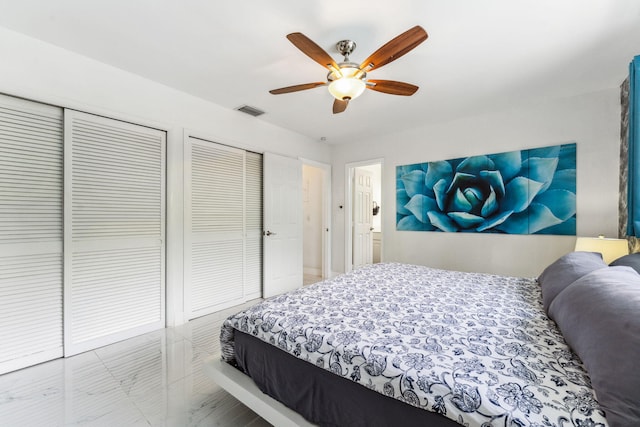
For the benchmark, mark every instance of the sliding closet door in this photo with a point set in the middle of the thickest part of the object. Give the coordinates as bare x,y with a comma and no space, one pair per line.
214,227
114,231
223,247
253,225
30,233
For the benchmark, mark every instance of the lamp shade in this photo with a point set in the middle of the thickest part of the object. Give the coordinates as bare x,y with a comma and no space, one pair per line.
611,249
347,82
346,88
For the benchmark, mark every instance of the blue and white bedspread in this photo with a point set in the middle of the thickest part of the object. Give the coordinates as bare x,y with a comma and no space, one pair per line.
476,348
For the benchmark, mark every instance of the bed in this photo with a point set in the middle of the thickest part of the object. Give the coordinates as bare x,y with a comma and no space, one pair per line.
398,344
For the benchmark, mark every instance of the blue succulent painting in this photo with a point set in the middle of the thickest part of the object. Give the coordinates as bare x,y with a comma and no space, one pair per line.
517,192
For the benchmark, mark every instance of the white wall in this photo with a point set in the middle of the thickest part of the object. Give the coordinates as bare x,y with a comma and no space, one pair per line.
591,120
42,72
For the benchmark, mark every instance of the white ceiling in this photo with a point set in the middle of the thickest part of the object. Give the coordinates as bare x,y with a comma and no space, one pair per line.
480,55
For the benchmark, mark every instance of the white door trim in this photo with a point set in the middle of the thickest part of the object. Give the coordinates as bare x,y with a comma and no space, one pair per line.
348,223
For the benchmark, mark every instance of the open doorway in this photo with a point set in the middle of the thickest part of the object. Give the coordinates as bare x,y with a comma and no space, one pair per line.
316,203
364,216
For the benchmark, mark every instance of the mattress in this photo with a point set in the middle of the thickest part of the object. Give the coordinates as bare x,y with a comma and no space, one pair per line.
474,349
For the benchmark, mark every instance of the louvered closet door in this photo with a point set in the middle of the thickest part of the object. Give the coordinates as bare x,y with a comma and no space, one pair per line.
214,235
30,233
114,230
223,246
253,225
253,203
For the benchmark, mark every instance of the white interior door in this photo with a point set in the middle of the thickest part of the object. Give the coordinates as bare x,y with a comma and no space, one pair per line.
362,218
282,236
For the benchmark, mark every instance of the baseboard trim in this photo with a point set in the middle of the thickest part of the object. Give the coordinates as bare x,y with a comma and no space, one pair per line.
312,271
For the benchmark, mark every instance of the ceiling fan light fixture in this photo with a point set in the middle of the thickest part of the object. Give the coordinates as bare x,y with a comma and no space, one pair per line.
347,82
347,88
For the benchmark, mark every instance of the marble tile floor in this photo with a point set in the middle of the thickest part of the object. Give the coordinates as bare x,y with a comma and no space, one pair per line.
154,379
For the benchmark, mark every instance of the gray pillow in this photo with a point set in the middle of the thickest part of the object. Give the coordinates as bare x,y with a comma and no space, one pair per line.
566,270
631,260
599,316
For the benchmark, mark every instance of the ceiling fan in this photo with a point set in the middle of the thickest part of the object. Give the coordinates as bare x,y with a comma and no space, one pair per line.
347,80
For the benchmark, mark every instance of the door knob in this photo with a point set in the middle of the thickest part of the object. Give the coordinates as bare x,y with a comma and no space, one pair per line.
268,233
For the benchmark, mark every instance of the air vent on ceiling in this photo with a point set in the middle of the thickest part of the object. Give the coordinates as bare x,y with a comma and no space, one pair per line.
252,111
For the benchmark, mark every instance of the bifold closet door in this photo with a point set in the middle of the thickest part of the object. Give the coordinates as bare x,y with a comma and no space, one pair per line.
114,277
223,245
31,221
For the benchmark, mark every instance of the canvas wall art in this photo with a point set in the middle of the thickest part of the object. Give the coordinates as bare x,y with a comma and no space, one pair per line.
517,192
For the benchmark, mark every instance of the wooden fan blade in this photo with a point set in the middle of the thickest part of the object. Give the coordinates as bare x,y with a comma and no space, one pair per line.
392,87
312,50
395,48
296,88
340,106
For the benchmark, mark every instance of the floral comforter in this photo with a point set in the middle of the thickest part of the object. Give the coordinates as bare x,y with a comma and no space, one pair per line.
476,348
